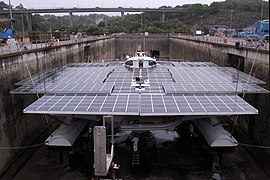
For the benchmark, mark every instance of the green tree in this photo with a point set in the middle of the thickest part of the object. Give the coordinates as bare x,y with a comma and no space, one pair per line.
101,24
3,5
92,29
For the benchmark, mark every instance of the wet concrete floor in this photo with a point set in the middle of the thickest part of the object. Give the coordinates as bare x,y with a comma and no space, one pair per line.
159,160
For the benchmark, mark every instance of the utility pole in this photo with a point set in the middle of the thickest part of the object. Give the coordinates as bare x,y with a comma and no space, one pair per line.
142,22
22,24
10,12
231,19
262,11
50,26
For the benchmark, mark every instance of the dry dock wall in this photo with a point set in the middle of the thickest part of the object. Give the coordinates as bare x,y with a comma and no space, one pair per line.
255,62
16,128
129,45
187,50
195,50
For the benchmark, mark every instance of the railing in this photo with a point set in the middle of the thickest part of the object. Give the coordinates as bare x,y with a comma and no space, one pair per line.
20,46
228,41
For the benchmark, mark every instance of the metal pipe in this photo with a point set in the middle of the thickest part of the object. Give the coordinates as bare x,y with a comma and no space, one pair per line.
112,131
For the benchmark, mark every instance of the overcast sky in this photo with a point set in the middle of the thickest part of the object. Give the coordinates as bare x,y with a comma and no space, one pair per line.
103,3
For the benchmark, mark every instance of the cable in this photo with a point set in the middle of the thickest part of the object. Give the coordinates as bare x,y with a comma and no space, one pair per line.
62,122
237,81
33,83
44,76
237,78
254,146
252,67
20,147
44,68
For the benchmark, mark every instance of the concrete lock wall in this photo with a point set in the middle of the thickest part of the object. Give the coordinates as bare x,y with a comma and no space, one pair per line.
100,50
256,127
129,45
187,50
16,128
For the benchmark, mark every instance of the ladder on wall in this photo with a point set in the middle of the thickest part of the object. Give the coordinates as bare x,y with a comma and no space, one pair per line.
135,158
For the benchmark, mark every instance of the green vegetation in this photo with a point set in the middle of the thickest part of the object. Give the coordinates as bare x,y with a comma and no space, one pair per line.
234,13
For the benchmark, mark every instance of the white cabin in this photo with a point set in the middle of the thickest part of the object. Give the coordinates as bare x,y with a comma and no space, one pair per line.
140,60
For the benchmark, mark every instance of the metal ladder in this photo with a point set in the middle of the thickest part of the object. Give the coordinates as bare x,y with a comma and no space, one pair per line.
135,158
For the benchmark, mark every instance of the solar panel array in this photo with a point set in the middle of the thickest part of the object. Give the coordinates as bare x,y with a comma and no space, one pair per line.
242,76
194,105
41,77
139,89
170,88
87,104
144,105
158,76
70,75
65,88
211,74
195,64
209,87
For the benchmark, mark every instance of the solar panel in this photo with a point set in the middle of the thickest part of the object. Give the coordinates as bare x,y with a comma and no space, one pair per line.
144,105
87,105
158,105
242,76
65,88
194,64
40,77
210,74
170,89
138,89
209,87
69,74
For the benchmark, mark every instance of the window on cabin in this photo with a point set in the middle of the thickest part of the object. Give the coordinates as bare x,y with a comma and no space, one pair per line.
152,63
129,63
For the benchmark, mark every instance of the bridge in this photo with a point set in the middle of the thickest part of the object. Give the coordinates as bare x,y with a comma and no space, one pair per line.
70,11
96,9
